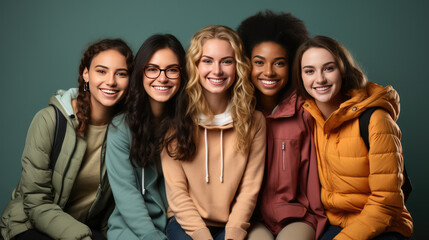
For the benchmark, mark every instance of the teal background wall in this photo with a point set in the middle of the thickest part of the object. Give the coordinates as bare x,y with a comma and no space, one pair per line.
41,43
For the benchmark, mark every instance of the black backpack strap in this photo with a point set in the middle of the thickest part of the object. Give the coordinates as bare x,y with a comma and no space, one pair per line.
364,123
60,132
364,133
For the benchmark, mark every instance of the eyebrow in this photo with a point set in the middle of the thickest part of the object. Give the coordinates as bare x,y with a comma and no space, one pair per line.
119,69
220,59
311,66
171,65
277,58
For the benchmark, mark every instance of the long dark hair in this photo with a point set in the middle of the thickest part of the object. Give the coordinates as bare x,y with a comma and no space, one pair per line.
147,141
83,103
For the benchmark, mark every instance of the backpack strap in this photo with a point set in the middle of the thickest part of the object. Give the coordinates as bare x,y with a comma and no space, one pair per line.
60,132
364,123
364,133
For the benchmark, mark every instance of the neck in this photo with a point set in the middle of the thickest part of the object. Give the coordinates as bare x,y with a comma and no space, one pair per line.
327,108
217,102
267,103
157,109
101,116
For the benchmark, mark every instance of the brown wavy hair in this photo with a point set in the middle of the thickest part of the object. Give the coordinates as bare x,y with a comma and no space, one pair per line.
241,92
352,76
83,103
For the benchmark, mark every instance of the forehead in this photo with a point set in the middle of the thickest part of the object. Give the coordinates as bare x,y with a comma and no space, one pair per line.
217,48
164,56
109,57
316,56
269,49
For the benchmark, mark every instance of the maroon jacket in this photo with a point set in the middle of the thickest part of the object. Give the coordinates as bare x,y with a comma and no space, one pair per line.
291,189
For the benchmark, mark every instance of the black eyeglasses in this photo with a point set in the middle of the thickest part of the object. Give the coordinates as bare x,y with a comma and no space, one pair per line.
153,72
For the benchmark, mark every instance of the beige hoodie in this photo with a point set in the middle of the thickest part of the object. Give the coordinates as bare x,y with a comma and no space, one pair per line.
219,186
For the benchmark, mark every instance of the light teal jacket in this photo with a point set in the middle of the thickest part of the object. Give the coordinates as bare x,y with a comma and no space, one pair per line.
136,216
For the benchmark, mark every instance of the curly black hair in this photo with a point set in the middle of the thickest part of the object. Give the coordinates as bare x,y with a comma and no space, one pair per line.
281,28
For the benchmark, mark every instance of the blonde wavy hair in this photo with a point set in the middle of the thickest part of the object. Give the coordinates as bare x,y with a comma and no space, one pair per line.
241,92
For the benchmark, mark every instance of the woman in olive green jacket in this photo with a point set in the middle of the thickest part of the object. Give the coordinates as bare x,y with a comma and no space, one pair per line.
71,200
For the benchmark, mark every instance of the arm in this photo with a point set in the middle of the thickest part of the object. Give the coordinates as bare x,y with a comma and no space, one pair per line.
247,193
385,202
128,198
180,202
37,185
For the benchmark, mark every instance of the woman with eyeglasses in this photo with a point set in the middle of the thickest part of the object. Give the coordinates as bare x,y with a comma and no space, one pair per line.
214,164
136,137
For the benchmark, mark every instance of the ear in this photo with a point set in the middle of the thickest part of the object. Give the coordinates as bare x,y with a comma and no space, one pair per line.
85,75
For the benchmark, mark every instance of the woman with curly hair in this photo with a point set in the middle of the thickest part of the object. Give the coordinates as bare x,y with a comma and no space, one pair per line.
289,202
135,140
214,169
361,187
71,199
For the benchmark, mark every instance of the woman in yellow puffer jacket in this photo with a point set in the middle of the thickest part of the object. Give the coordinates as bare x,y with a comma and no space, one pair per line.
361,190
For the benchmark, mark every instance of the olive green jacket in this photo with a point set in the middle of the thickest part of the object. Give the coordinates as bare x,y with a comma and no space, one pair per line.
41,195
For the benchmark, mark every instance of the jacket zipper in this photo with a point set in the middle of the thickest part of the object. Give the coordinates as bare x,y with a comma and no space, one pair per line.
283,154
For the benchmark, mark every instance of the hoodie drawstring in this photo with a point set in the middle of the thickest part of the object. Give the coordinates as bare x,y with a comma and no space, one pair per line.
207,156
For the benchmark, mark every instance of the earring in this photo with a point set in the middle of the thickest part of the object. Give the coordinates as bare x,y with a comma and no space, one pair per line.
85,86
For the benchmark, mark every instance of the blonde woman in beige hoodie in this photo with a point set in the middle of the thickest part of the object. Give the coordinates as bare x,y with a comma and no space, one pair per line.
214,160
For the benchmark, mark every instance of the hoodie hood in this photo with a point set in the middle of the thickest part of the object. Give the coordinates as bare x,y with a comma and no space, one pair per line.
62,100
373,95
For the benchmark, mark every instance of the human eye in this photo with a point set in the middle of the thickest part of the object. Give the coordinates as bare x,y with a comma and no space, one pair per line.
122,74
101,71
280,64
173,70
258,63
227,61
308,71
151,69
329,68
206,60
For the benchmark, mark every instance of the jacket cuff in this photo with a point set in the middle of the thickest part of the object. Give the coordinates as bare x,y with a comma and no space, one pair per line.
203,234
235,233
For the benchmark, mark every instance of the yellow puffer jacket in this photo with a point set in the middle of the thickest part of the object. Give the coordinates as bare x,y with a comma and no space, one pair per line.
361,192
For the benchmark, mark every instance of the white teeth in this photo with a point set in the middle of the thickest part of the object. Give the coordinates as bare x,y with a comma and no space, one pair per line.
108,91
266,82
216,80
322,88
161,88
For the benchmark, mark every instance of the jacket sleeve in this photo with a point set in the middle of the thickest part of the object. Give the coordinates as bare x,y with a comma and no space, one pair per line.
37,185
309,175
179,201
128,198
385,202
247,193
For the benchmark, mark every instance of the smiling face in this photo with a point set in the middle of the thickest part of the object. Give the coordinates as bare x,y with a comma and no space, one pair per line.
270,68
321,77
162,89
108,79
216,67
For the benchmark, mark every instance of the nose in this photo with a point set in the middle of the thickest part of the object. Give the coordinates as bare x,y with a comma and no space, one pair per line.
162,77
320,78
268,71
217,69
111,80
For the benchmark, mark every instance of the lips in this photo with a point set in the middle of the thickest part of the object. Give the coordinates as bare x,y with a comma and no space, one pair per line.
322,89
109,92
162,88
269,83
217,81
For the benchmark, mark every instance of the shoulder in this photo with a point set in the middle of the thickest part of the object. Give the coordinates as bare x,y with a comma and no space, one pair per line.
258,117
382,122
